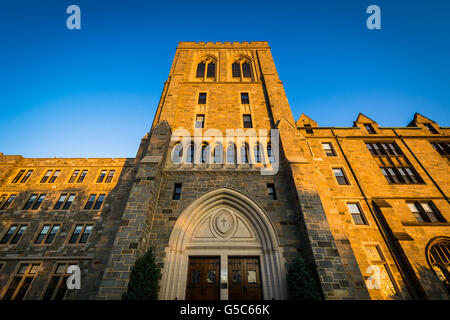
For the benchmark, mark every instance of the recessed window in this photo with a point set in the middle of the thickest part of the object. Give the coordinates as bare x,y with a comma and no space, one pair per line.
81,233
246,70
369,128
340,176
231,153
74,176
177,153
442,147
34,202
21,282
257,154
218,154
244,154
200,70
308,129
211,72
98,203
46,176
110,176
200,121
26,176
357,215
202,98
271,191
177,192
8,202
236,70
328,148
64,201
204,156
57,287
82,176
385,278
14,234
430,128
18,176
425,211
393,164
102,176
54,176
190,154
247,119
245,98
47,234
93,204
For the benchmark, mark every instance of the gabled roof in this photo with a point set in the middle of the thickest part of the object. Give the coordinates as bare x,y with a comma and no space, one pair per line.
305,119
363,119
418,118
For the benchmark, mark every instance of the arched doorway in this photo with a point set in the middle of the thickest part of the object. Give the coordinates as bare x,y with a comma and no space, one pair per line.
438,257
226,244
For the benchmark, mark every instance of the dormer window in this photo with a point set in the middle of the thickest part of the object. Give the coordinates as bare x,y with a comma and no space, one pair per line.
369,128
431,128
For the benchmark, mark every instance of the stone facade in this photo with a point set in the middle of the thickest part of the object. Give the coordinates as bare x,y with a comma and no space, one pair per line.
308,218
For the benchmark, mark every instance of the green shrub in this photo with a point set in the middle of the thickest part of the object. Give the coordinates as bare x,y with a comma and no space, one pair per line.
301,283
144,277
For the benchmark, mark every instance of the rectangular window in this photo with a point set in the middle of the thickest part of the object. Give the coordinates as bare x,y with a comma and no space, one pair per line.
74,176
26,176
200,70
69,202
110,176
425,211
246,72
308,129
18,234
47,233
83,230
57,287
430,128
245,98
37,204
46,176
443,148
247,121
60,201
236,70
21,282
90,201
271,191
328,148
357,215
202,98
384,281
200,121
12,229
393,164
18,176
98,203
82,176
8,202
54,176
369,128
30,202
177,192
102,175
340,176
2,198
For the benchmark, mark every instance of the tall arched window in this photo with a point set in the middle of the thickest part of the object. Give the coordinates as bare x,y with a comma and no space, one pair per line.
211,72
204,157
190,154
177,154
231,153
200,70
439,260
269,153
244,153
257,154
218,154
241,68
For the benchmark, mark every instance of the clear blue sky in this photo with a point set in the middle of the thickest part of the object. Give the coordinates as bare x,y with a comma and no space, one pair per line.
93,92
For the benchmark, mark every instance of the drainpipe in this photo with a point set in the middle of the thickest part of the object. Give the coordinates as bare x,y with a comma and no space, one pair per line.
406,271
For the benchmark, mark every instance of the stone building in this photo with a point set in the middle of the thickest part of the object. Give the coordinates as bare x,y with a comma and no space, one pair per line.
225,212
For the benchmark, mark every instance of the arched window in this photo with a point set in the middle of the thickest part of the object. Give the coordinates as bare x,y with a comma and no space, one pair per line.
244,154
257,154
218,154
211,72
246,71
200,70
231,153
236,68
439,260
190,154
177,154
269,153
204,157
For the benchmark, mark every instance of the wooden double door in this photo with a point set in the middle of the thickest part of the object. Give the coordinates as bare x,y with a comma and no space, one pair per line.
203,279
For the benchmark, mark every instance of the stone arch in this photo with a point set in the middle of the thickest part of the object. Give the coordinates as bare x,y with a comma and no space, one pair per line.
251,232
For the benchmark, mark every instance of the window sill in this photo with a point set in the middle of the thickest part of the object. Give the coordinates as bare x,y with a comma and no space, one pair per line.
425,224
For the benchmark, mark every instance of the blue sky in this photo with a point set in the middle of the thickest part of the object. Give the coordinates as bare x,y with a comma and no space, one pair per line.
93,92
